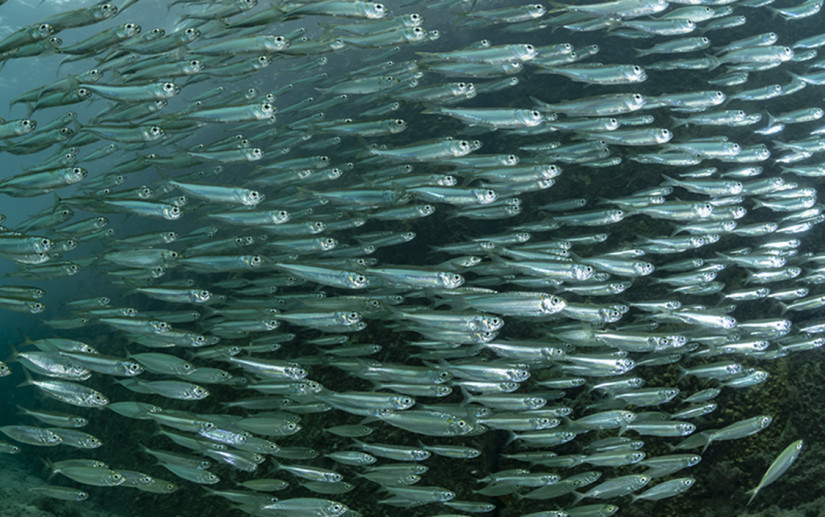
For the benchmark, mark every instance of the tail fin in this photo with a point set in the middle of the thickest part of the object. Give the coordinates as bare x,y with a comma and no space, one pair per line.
26,339
29,380
49,465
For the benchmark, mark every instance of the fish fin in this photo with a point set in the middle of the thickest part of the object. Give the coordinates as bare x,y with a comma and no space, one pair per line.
682,372
49,465
468,398
29,380
578,497
513,437
707,443
540,103
26,339
784,308
14,354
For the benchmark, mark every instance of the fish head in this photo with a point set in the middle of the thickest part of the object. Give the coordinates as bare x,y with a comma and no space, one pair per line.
610,315
552,353
582,272
637,456
415,34
295,372
450,280
198,393
524,52
91,442
518,374
128,30
670,393
97,400
442,391
131,368
402,402
458,426
199,296
355,280
530,118
440,376
535,10
634,73
548,171
534,402
511,67
663,135
635,101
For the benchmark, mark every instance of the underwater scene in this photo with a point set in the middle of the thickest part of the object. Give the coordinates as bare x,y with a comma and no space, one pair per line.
415,258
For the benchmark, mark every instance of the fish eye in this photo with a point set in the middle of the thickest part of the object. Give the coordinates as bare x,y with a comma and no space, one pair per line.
529,48
705,40
190,31
637,97
279,39
399,122
378,7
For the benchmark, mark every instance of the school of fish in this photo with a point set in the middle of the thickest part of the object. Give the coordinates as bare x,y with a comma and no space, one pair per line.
417,258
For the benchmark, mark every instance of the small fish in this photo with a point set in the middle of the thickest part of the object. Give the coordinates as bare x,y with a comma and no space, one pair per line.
779,466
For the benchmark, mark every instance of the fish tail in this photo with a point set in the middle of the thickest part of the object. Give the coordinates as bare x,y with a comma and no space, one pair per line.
707,443
557,7
29,380
49,465
14,354
26,339
467,396
513,437
682,372
753,492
